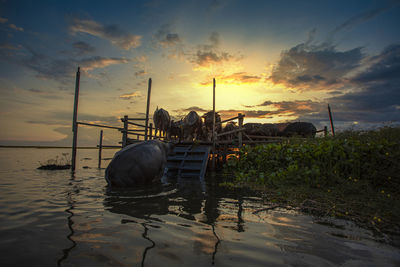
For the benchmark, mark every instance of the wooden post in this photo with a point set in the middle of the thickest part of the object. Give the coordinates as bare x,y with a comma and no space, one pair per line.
151,131
325,131
74,121
331,120
100,148
125,132
225,153
147,108
240,134
213,128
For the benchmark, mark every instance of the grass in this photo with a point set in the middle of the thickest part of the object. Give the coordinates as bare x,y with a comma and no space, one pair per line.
354,175
59,163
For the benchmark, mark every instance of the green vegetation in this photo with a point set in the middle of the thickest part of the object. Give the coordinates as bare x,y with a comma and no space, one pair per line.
354,175
59,163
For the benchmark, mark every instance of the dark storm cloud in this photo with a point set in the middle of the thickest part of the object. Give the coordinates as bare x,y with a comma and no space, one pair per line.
82,48
61,70
193,108
386,67
377,95
64,118
112,32
315,67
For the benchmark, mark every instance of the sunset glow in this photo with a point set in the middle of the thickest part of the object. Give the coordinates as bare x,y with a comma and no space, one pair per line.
274,62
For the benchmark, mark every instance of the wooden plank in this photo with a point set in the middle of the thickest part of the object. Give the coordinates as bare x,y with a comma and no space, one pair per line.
136,119
231,119
136,124
99,125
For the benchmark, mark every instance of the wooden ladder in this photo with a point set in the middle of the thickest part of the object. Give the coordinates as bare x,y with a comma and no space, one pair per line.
188,161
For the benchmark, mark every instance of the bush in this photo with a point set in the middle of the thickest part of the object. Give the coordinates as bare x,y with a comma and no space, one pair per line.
371,157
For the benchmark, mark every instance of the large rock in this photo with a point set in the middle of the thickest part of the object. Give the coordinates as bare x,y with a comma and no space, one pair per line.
138,164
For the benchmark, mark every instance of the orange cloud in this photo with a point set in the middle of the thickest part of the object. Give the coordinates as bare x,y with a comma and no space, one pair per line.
130,95
100,62
235,78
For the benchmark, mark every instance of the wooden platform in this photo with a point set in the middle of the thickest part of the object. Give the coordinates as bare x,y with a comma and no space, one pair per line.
189,161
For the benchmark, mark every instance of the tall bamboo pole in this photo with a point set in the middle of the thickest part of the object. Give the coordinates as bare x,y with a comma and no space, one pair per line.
147,109
100,147
331,120
213,129
74,121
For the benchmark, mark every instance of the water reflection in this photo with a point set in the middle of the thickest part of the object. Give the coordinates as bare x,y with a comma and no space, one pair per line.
70,222
183,198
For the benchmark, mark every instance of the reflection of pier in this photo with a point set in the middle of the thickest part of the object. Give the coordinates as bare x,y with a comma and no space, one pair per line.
69,210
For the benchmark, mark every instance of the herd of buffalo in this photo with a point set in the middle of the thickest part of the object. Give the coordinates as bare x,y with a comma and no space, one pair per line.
144,163
196,127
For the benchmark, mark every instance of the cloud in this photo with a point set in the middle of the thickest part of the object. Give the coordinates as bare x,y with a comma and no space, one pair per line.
112,33
208,55
165,37
3,20
8,46
14,27
378,90
235,78
284,109
11,25
193,108
385,67
216,4
140,73
358,19
130,96
33,90
63,69
315,67
82,48
375,99
97,62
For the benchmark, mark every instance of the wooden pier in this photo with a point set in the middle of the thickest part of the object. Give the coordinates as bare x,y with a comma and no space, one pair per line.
191,157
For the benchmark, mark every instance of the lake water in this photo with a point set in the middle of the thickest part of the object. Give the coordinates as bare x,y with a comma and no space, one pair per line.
50,218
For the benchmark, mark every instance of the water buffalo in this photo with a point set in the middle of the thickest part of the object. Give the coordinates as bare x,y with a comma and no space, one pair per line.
281,127
253,128
161,121
208,122
138,164
176,130
304,129
192,126
261,129
269,129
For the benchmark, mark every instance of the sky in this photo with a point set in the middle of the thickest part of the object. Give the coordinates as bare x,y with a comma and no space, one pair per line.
274,61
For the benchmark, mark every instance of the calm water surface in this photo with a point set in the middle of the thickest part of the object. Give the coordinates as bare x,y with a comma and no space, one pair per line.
50,218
